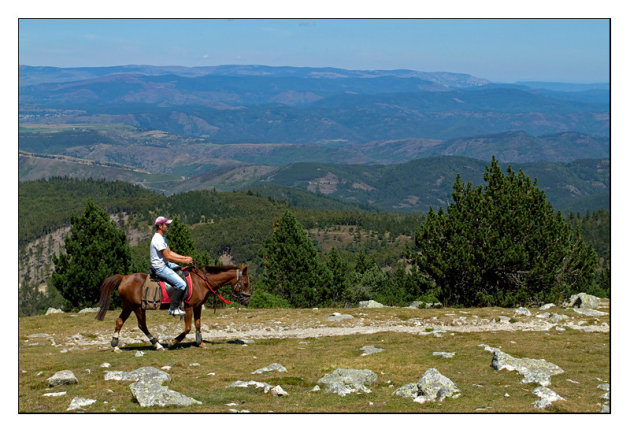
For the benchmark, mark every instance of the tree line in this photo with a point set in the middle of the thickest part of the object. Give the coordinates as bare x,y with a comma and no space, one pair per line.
497,244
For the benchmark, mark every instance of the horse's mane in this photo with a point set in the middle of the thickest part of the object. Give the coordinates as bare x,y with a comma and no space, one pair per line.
218,269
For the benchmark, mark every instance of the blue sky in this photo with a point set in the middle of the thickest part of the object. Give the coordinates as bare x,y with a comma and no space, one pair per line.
507,50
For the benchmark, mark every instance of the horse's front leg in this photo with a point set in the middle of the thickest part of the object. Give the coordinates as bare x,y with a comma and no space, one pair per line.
142,324
197,313
187,327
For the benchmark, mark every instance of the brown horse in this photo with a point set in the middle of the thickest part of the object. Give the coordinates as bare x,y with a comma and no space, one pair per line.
205,280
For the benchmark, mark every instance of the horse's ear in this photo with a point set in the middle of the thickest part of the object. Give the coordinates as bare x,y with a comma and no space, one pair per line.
243,267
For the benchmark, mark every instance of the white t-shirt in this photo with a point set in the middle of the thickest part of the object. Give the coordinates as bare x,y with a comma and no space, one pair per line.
158,244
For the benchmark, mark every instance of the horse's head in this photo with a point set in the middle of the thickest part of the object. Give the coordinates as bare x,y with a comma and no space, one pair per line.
241,287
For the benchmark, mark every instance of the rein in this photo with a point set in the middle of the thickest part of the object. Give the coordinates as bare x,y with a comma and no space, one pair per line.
205,279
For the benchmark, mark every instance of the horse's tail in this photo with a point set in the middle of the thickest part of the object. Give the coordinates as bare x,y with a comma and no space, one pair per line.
107,287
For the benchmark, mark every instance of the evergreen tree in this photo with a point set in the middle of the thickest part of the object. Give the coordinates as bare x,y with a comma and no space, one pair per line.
95,249
337,289
502,244
180,240
291,268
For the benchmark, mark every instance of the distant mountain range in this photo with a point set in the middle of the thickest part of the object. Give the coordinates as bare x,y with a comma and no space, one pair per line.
393,140
261,104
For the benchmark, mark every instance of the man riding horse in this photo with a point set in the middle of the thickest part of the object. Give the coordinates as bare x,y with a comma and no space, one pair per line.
161,262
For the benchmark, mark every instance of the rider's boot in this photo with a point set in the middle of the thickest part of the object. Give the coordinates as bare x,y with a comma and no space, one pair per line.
176,299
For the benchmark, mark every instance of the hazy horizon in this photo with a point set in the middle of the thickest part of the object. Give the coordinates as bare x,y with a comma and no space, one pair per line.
499,50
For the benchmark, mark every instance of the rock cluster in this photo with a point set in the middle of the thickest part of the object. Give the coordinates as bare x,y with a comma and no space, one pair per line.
345,381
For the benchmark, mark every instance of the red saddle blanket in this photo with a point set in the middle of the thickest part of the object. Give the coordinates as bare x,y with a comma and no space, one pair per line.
167,300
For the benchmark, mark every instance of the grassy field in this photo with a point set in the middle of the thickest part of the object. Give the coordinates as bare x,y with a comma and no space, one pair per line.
81,344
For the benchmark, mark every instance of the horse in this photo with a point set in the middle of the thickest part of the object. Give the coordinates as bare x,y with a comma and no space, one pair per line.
205,280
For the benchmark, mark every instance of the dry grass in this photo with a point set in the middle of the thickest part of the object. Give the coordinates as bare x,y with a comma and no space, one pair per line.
585,358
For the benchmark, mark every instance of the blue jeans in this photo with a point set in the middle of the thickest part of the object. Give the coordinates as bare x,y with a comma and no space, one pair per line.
171,277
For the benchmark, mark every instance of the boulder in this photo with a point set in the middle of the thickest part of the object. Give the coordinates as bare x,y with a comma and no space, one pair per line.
533,370
151,393
583,300
434,386
64,377
370,304
547,306
277,391
52,310
522,311
90,310
344,381
143,374
271,367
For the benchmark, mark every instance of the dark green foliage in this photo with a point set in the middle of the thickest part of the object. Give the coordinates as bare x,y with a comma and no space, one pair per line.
336,291
262,299
291,267
46,205
595,229
31,301
502,245
179,239
95,249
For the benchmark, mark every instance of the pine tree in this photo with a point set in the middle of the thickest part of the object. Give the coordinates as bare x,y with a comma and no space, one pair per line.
502,244
95,249
337,289
291,267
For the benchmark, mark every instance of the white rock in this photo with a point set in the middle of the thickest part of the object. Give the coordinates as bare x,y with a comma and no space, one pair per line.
52,310
54,394
105,365
277,391
139,353
78,403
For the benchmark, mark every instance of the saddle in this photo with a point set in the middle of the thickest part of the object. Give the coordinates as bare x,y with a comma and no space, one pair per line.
156,291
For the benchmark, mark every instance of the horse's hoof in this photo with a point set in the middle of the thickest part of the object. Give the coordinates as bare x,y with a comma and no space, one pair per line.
117,350
172,344
159,347
202,345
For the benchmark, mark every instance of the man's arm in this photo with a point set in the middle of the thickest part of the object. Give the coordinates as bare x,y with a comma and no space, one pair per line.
174,257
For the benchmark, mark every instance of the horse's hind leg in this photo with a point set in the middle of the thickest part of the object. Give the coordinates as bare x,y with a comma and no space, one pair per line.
142,324
119,324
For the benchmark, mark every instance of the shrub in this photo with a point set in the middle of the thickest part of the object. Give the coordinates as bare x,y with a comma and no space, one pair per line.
262,299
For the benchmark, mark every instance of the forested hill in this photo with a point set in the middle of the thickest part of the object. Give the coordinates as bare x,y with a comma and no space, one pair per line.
417,185
46,205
